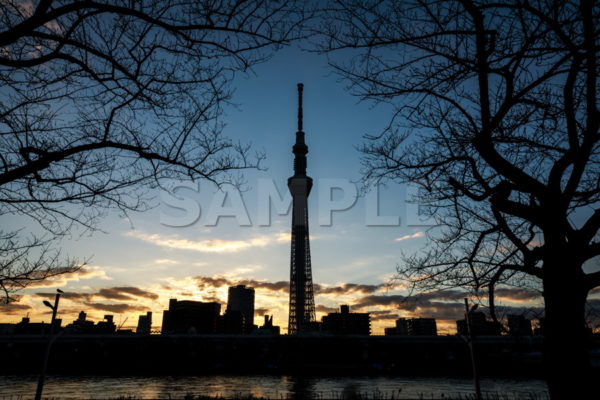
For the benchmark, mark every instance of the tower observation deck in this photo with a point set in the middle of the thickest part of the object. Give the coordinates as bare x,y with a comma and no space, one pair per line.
302,302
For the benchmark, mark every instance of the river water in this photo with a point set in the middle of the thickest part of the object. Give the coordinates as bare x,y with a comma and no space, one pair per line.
273,387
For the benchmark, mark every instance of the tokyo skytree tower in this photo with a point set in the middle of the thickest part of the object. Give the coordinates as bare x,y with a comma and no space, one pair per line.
302,302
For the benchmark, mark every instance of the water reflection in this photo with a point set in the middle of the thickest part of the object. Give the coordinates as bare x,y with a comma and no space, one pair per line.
275,387
302,388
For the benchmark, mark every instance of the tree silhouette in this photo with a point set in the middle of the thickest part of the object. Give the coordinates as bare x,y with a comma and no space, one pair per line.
496,118
102,97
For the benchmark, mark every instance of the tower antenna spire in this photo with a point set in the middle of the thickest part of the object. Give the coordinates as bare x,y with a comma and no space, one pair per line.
300,88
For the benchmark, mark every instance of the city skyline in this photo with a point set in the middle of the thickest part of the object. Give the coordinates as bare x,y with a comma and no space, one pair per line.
425,307
237,317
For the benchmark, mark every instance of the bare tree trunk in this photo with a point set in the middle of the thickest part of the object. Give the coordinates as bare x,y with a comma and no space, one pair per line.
566,341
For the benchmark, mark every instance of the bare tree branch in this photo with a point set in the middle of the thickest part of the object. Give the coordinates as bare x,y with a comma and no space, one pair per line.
102,100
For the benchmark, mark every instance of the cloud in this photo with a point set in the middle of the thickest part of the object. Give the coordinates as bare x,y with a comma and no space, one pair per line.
447,304
347,288
118,308
206,246
408,302
379,300
245,269
213,299
166,261
413,236
517,294
326,309
383,315
426,305
85,272
443,295
67,295
112,294
88,272
440,310
13,308
261,311
279,286
206,282
126,293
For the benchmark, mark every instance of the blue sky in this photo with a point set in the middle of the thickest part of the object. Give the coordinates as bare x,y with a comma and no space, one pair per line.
198,262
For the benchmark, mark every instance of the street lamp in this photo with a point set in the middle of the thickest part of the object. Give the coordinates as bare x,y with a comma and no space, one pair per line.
54,308
471,337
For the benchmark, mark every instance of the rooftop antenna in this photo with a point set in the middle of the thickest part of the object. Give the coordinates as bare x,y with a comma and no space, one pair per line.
300,88
121,323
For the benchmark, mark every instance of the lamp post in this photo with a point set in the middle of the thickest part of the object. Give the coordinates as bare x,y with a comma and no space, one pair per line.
471,335
54,308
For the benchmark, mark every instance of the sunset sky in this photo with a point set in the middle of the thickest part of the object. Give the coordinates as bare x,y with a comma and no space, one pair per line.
136,263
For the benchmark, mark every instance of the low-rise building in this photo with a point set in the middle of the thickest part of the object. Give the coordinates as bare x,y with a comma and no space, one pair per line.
346,323
191,317
144,326
518,325
413,327
479,325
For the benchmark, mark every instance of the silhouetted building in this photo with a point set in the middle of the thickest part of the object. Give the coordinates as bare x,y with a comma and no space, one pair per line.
232,322
268,327
389,331
81,324
518,325
26,327
7,329
413,327
422,327
302,303
402,326
106,326
191,317
480,326
144,326
241,299
346,323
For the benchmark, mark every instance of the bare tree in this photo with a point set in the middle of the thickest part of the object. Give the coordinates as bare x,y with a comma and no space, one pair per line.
25,262
100,99
496,118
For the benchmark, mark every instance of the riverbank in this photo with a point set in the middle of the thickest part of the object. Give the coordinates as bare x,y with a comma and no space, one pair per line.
499,356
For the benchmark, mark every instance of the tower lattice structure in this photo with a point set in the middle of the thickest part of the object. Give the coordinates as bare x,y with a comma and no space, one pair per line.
302,301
